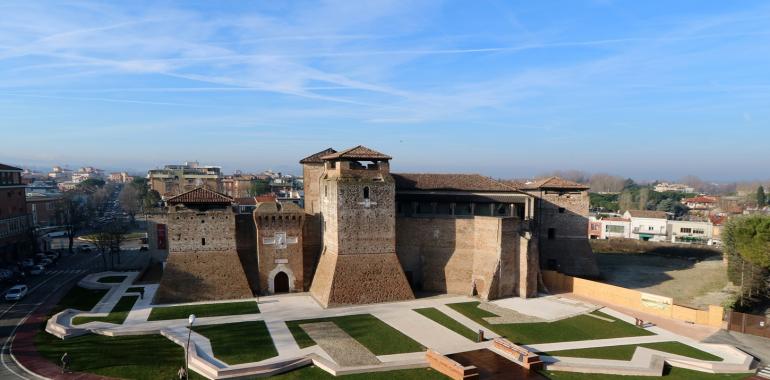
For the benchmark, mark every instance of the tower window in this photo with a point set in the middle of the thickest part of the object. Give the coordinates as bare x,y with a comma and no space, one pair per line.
366,192
551,233
561,210
203,241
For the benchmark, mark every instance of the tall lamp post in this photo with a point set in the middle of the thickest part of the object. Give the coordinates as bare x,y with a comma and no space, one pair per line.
190,319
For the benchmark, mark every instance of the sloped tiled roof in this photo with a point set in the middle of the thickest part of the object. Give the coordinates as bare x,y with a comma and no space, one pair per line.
718,220
552,183
616,219
451,182
316,158
648,214
200,195
700,199
357,153
8,167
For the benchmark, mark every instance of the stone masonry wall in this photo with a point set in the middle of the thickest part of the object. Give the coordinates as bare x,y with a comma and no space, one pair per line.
451,254
273,258
202,276
187,229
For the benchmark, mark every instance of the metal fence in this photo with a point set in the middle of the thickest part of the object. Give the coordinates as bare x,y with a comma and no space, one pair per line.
758,325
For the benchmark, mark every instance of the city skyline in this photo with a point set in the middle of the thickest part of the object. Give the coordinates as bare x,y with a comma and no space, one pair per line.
502,90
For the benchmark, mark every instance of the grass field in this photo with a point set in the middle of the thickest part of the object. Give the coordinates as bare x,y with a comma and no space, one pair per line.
316,373
446,321
116,316
371,332
670,373
236,343
80,299
627,352
204,310
581,327
112,279
129,357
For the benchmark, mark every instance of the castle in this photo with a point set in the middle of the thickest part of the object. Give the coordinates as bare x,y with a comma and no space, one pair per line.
367,235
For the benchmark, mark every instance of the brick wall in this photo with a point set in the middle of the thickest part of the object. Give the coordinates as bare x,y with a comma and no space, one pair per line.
187,229
273,258
202,276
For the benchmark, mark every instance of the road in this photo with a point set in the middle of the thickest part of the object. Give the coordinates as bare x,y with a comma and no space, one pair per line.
41,287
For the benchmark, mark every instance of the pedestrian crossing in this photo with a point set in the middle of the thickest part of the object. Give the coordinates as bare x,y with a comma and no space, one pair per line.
65,271
764,372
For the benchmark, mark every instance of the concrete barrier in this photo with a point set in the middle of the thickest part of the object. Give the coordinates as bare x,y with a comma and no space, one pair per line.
632,299
449,367
518,354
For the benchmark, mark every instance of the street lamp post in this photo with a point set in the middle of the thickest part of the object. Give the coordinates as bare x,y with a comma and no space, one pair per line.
190,319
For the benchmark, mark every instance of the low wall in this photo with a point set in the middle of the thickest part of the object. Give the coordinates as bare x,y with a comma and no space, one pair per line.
632,299
449,367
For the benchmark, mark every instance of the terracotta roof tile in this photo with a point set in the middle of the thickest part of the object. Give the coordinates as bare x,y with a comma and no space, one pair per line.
550,183
357,153
200,195
272,208
250,201
700,199
316,157
456,182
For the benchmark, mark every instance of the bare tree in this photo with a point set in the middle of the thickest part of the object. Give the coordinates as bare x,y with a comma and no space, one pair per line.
75,212
117,235
131,200
606,183
103,242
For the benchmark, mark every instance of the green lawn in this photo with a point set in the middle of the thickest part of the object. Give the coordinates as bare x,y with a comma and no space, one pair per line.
80,299
112,279
581,327
236,343
315,373
626,352
203,310
129,357
446,321
116,316
670,373
371,332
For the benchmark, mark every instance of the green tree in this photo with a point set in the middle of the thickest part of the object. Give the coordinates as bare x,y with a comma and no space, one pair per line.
747,246
92,182
665,205
761,198
259,187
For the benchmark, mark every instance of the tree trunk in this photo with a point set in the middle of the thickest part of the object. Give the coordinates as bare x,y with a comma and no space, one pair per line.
71,241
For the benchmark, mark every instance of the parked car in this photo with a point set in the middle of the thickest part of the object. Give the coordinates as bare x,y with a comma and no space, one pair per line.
16,293
27,263
40,256
52,253
46,262
36,270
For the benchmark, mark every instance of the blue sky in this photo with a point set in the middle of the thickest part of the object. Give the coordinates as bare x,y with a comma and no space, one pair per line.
648,89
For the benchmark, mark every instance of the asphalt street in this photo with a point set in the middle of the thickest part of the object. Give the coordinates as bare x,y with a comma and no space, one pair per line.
12,314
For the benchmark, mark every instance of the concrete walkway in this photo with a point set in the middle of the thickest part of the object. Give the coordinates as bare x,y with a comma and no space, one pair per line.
276,310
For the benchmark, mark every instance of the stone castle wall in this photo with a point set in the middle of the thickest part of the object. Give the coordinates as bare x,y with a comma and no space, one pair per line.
246,245
273,258
202,276
449,255
362,230
198,269
193,230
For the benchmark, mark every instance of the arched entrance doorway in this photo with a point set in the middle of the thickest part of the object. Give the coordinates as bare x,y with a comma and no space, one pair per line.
281,282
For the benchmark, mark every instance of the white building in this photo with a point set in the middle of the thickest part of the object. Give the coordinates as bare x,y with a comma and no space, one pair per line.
648,225
683,231
613,228
678,187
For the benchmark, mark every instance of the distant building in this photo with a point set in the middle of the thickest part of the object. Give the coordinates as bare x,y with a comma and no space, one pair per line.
44,209
701,203
237,185
613,228
684,231
677,187
176,179
647,225
121,177
14,219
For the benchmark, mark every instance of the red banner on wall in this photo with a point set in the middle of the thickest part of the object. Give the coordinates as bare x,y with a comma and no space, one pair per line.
161,229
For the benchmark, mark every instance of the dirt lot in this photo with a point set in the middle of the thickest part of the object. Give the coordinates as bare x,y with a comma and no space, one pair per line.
690,282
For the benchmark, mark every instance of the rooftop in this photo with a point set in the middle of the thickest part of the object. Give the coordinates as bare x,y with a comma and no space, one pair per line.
316,157
550,183
8,167
200,195
650,214
448,182
357,153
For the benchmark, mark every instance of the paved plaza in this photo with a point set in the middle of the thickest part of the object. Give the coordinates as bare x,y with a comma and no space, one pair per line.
339,353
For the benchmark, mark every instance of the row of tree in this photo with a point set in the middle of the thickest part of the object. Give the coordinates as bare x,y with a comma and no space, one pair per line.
747,246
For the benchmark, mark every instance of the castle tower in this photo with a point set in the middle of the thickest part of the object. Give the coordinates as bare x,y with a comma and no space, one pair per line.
279,247
358,262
